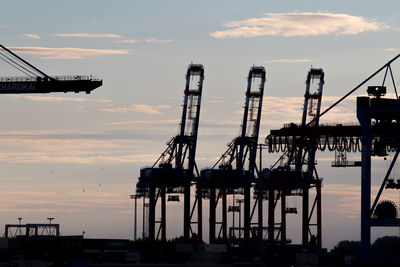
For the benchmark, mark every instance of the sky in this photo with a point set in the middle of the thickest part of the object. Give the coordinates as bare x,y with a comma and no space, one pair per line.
76,157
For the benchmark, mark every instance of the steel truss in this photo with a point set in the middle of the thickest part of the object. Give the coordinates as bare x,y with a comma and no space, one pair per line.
235,171
376,135
31,230
297,173
176,169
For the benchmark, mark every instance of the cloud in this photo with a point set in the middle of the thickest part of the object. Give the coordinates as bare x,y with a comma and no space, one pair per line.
65,52
61,99
154,40
148,40
32,147
147,109
73,158
88,35
68,200
345,199
218,101
132,41
31,36
299,24
287,60
280,110
162,123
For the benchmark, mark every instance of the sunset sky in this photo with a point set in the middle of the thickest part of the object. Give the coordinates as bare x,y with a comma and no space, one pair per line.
76,157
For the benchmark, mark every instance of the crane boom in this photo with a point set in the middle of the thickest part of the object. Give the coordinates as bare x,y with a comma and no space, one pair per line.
39,82
26,85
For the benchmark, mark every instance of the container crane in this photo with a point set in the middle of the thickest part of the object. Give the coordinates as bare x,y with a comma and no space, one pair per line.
235,171
297,175
175,170
38,82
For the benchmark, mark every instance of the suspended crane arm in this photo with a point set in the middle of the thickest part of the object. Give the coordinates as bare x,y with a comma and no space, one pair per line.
37,81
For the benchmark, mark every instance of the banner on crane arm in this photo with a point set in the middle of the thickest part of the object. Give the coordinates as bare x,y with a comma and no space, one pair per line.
17,87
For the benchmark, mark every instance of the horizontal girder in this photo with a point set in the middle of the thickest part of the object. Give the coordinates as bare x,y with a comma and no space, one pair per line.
40,86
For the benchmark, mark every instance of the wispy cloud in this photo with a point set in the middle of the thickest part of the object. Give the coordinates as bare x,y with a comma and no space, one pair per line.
132,41
148,40
66,52
345,199
71,147
299,24
147,109
60,99
68,200
154,40
88,35
145,123
287,60
31,36
73,157
289,109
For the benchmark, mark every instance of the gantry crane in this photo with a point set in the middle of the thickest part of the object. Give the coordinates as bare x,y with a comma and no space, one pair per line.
376,135
175,170
38,82
234,172
297,173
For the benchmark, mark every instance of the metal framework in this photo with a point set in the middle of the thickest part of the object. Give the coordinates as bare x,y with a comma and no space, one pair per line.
235,171
377,135
175,170
297,173
31,230
36,81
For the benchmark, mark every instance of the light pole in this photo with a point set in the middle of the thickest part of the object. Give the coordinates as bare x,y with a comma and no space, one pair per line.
135,197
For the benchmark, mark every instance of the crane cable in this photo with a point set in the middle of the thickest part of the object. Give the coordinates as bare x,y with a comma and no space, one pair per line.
9,60
33,68
358,86
20,62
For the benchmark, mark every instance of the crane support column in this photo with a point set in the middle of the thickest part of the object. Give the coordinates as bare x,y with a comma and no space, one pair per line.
319,213
364,117
271,217
163,214
152,212
212,218
283,217
305,211
224,216
246,215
